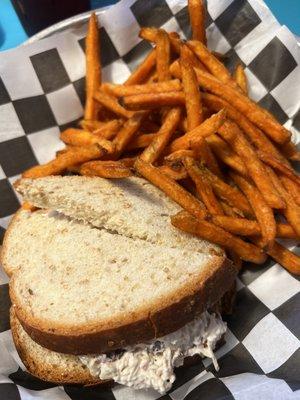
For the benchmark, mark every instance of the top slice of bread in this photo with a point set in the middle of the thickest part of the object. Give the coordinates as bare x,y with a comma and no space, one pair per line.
78,289
131,207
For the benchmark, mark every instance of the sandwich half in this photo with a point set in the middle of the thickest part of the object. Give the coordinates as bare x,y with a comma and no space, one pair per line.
100,277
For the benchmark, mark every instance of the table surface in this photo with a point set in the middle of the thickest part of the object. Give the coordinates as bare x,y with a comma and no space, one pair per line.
12,34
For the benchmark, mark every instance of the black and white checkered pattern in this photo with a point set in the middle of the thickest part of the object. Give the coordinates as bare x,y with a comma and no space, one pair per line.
42,92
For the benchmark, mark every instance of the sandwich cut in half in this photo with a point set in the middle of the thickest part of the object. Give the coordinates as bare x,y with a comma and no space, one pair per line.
103,287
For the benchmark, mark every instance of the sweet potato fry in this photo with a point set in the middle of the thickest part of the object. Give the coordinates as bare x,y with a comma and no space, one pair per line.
203,186
105,169
191,138
256,169
279,166
128,161
93,67
109,129
127,133
158,144
291,187
112,104
231,211
214,66
175,174
208,231
65,160
240,78
246,106
142,72
150,34
191,91
286,231
229,194
91,125
237,226
203,152
221,149
254,134
171,188
248,227
290,151
178,156
163,55
157,87
155,100
292,210
262,211
79,137
284,257
197,19
141,141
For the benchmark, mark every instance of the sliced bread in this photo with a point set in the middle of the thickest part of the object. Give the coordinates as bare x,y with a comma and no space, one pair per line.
46,364
78,289
131,207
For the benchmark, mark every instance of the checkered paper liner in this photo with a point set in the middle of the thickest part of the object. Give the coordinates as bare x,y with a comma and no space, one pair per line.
42,93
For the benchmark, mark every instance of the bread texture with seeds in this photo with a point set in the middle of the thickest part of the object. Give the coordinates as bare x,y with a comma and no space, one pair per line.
78,289
131,207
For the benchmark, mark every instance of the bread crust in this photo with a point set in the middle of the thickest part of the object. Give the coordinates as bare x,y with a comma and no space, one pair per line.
43,369
166,316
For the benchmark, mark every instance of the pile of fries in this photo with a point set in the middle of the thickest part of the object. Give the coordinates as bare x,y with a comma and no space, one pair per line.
185,124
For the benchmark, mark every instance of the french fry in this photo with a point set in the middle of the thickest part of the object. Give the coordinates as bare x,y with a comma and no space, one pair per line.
256,169
240,78
170,188
237,226
65,160
291,187
93,67
254,134
155,100
157,87
197,19
208,231
141,141
246,106
284,257
279,166
163,54
286,231
127,133
229,194
191,91
230,211
112,104
203,152
214,66
91,125
191,138
175,174
150,34
248,227
142,72
262,211
290,151
203,186
178,156
292,210
109,129
105,169
78,137
175,69
158,144
221,149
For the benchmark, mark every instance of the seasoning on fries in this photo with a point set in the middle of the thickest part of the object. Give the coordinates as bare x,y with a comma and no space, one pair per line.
188,126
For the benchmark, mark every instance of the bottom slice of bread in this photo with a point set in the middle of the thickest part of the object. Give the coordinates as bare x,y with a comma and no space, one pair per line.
49,365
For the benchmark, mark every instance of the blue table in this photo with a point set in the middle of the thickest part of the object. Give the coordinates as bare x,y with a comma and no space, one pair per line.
12,33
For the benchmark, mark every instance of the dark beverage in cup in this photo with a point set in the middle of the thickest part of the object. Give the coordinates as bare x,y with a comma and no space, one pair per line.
36,15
